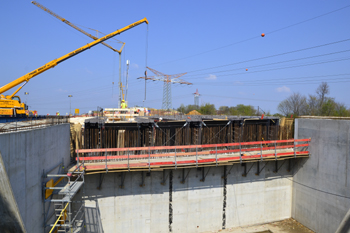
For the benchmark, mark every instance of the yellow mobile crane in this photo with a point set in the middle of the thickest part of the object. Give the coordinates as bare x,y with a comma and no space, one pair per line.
11,105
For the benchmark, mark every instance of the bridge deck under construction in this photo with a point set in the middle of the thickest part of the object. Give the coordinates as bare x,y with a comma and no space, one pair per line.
172,157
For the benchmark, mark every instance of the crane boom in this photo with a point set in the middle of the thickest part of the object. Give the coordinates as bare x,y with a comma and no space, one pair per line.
53,63
75,27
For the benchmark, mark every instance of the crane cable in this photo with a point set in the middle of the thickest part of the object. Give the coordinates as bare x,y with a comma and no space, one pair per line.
146,61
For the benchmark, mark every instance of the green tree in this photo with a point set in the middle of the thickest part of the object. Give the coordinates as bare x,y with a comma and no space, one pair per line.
207,109
340,110
328,107
224,110
313,105
186,109
246,110
181,109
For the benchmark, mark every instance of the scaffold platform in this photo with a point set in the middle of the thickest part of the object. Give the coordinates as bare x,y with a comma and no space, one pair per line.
159,158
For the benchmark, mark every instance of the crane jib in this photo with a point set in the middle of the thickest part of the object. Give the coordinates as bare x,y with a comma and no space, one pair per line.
27,77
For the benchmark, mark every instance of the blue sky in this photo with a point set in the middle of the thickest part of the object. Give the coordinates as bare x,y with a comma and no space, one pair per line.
183,36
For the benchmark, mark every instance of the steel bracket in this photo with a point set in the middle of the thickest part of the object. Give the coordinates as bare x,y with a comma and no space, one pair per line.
225,174
203,176
164,178
259,171
290,165
245,173
183,180
102,175
142,179
122,179
276,166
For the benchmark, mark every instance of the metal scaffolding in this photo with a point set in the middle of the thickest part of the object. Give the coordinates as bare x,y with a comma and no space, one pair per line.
58,192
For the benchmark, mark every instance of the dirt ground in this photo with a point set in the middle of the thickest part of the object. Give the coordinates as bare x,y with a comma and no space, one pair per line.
286,226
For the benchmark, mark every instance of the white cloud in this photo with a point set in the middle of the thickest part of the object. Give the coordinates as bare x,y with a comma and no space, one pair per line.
61,90
88,71
241,93
238,83
283,89
134,65
211,77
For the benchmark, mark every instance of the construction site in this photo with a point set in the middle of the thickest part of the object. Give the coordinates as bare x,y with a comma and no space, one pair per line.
198,175
135,166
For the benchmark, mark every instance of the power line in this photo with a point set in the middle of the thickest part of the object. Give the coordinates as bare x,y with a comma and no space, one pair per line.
280,62
208,51
307,20
273,81
255,37
287,67
255,59
345,80
270,56
231,97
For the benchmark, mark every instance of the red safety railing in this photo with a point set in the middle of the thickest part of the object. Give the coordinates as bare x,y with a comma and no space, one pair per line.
130,157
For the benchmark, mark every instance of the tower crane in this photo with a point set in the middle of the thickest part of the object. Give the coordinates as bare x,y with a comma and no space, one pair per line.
168,80
11,105
89,35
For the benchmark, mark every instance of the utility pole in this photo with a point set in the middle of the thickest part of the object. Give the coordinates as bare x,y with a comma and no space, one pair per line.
127,78
120,80
70,104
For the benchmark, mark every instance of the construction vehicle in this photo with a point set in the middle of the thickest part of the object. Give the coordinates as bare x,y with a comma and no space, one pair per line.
11,105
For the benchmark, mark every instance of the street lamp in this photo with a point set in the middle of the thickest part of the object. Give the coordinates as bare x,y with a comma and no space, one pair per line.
70,105
26,93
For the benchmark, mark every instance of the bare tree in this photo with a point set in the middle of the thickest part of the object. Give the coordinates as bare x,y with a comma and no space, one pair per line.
322,91
295,104
319,104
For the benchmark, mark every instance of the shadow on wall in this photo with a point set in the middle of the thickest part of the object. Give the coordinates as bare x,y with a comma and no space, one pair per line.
121,194
93,219
135,183
8,221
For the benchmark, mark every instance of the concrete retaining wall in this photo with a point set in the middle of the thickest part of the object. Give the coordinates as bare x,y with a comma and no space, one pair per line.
321,192
25,155
194,206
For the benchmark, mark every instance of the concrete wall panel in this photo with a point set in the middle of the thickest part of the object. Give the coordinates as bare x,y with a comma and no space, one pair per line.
26,154
196,206
321,194
258,199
